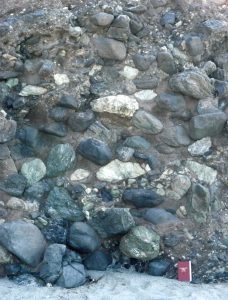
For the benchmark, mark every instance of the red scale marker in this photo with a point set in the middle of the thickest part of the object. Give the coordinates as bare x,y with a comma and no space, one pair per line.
185,271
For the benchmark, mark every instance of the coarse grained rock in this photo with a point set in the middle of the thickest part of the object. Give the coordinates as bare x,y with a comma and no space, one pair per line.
141,243
206,125
109,48
147,122
59,204
194,83
142,197
33,170
112,221
23,240
95,150
83,238
51,266
72,276
117,171
60,159
122,105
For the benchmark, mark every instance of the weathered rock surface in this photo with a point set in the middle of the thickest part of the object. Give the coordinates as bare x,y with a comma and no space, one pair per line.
23,240
200,147
33,170
142,197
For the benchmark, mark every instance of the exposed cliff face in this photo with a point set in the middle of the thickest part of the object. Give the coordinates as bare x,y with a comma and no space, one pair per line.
113,136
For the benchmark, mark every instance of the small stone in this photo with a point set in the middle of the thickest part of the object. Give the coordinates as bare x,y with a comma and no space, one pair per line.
170,102
147,122
146,83
110,48
79,174
175,136
210,67
57,129
166,62
124,153
207,106
206,125
33,170
215,26
122,105
51,266
23,240
194,45
158,267
129,72
158,3
137,142
202,172
61,79
168,18
112,221
117,171
7,129
159,216
95,151
80,121
18,204
99,261
55,231
5,256
14,185
59,204
200,147
143,62
102,19
69,101
73,275
32,90
4,152
83,238
180,185
145,95
59,114
140,243
193,83
60,159
142,197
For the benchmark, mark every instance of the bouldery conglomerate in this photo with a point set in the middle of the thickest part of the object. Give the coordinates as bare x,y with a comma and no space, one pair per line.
113,139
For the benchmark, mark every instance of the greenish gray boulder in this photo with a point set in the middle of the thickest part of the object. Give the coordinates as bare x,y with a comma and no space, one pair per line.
140,243
33,170
61,158
60,205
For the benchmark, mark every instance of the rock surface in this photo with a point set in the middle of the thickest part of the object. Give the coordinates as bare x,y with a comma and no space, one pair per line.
142,197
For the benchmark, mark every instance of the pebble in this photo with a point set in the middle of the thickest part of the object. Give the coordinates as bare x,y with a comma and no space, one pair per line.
145,95
147,122
200,147
202,172
79,174
110,48
31,90
129,72
102,19
61,79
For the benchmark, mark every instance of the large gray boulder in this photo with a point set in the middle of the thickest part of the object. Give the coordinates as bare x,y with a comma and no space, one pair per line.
23,240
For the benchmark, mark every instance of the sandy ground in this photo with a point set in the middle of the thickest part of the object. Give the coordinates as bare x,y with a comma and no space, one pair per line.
118,286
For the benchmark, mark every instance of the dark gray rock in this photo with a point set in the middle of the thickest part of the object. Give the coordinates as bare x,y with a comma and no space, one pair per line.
14,185
23,240
118,33
99,261
166,62
59,114
80,121
7,129
102,19
21,151
56,231
175,136
31,137
37,191
60,159
60,205
143,62
57,129
109,48
194,45
95,151
146,83
51,266
193,83
147,122
47,68
205,125
69,101
168,18
112,221
171,102
158,267
4,151
142,197
73,275
159,216
124,153
83,238
136,26
137,142
171,240
71,257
